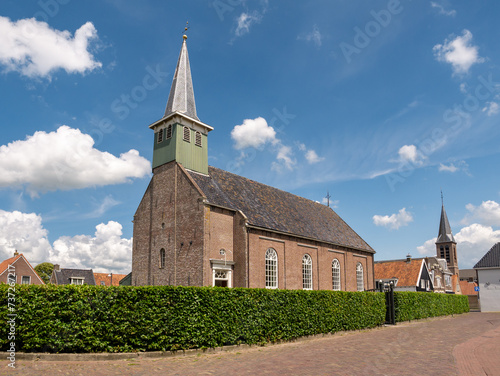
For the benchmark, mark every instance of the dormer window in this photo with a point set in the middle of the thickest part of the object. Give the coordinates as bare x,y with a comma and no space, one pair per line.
198,139
77,280
187,134
160,135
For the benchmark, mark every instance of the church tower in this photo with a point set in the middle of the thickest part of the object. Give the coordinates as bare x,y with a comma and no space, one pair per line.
180,136
446,246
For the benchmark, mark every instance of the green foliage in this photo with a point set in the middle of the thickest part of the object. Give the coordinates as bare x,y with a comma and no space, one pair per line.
86,318
44,270
419,305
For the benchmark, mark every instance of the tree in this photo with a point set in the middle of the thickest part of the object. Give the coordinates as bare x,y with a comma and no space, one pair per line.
44,270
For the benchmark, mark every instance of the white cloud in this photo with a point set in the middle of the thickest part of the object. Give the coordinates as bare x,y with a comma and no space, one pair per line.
333,203
458,52
410,153
23,232
442,10
284,159
253,133
65,159
428,248
491,108
488,213
313,36
107,203
394,221
33,49
312,157
463,87
105,251
454,167
245,21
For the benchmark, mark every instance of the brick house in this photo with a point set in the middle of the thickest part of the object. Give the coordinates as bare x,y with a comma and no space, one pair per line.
198,225
19,269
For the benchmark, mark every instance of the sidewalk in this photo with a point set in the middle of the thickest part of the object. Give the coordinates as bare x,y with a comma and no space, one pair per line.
467,344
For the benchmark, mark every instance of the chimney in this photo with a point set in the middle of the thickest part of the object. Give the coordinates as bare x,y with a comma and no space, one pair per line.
16,253
408,258
56,267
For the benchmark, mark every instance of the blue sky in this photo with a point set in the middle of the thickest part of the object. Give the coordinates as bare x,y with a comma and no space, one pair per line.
381,103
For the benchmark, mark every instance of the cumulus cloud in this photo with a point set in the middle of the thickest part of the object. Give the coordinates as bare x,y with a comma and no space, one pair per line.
284,159
394,221
458,52
472,243
491,108
410,153
253,133
34,49
313,36
65,159
442,10
245,21
488,213
312,157
105,251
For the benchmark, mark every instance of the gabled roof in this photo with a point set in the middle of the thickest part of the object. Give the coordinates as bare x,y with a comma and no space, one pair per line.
106,278
181,97
491,259
407,273
445,235
271,208
10,261
63,276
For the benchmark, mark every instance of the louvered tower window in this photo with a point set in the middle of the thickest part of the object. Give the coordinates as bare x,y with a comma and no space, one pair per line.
198,139
160,135
187,134
169,131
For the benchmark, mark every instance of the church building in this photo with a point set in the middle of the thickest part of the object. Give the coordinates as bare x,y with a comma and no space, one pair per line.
198,225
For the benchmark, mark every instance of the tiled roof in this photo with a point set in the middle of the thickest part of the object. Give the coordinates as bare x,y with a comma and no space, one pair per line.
270,208
63,276
5,263
467,288
491,259
407,273
106,278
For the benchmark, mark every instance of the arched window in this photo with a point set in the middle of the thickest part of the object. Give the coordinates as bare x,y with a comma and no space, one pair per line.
187,134
360,280
336,275
169,131
160,135
162,258
197,141
307,280
271,269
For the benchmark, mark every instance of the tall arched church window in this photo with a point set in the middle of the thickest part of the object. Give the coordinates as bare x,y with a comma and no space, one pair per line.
360,280
271,269
336,275
307,272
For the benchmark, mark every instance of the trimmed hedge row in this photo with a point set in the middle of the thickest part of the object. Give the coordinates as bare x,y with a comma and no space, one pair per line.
419,305
116,319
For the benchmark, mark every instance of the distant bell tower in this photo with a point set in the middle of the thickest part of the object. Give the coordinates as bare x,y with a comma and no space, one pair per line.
180,136
446,246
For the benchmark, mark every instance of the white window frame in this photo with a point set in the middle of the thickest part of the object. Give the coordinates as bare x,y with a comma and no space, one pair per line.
228,275
74,280
307,272
22,280
360,277
271,269
336,286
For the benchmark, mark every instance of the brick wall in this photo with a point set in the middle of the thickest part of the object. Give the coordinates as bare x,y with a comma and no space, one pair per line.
21,268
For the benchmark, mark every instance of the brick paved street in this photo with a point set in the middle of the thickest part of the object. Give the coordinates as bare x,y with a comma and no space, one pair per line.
466,344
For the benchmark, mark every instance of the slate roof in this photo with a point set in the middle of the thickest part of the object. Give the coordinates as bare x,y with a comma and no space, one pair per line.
63,276
491,259
106,278
445,235
271,208
181,97
407,273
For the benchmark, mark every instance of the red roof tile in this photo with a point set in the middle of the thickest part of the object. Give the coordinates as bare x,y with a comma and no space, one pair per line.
406,272
106,278
468,287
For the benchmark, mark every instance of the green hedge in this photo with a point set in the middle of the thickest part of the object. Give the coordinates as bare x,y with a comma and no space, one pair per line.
95,318
419,305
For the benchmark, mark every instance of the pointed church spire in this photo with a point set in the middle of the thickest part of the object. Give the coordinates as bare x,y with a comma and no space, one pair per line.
181,97
445,235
